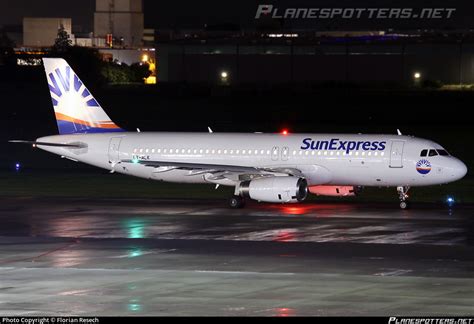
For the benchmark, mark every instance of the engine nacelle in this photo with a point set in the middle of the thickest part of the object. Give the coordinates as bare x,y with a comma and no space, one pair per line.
275,189
340,191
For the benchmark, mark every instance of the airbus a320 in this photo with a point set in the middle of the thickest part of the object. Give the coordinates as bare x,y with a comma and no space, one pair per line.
276,168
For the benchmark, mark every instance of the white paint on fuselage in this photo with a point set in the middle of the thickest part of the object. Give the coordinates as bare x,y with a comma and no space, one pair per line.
332,167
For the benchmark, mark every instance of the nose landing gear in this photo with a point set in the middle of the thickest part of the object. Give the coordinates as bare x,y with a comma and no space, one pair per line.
403,196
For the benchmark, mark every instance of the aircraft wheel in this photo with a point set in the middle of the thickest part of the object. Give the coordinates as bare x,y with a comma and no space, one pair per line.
404,205
236,202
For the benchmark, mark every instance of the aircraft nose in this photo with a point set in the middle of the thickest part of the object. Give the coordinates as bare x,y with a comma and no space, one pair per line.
459,169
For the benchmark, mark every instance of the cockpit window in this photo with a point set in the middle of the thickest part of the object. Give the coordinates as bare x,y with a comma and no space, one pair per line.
432,153
424,153
443,152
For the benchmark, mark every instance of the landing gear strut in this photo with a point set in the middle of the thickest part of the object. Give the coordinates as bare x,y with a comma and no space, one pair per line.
236,202
403,196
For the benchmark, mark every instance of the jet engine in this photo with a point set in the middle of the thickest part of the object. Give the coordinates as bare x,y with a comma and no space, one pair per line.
341,191
275,189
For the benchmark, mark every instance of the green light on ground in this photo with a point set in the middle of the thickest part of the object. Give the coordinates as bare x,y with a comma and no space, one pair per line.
134,305
135,252
135,228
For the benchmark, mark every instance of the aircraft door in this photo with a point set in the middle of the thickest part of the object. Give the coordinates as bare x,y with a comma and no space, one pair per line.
396,154
114,151
275,153
284,153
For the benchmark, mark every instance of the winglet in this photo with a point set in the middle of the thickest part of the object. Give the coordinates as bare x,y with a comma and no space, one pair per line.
209,129
398,132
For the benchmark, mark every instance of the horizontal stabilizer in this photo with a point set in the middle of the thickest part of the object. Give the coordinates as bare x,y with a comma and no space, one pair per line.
35,143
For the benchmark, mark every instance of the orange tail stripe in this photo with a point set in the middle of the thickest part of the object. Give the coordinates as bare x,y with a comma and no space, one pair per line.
63,117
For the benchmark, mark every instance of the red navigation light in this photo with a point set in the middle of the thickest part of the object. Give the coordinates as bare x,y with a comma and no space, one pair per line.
284,132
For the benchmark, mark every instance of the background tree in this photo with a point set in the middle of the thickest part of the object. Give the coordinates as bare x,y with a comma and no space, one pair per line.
63,42
116,73
139,71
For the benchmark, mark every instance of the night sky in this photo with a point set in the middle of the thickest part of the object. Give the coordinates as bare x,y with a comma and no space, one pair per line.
194,14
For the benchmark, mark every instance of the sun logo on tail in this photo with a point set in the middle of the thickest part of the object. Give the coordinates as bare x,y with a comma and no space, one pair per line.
76,110
64,79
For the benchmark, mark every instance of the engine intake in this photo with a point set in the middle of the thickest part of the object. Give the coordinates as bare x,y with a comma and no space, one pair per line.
275,189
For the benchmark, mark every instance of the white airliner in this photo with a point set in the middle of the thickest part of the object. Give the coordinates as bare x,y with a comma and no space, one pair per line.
278,168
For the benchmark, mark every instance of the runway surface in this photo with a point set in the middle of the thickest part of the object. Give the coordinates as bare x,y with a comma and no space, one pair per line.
196,257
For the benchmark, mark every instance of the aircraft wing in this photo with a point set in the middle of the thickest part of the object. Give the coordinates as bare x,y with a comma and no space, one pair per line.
193,166
203,168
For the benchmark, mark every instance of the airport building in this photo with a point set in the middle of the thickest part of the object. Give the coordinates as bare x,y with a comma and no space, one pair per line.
118,34
42,32
314,57
283,55
120,22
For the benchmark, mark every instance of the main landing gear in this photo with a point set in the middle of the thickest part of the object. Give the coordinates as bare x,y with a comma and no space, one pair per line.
236,202
403,196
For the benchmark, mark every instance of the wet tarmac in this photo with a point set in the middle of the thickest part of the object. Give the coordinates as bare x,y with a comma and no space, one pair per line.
196,257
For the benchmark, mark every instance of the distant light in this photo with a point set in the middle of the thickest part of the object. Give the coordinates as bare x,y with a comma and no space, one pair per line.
282,35
224,75
150,80
145,58
417,75
17,166
28,62
450,201
284,132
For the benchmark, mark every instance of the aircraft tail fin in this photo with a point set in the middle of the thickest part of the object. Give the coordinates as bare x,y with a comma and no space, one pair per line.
76,110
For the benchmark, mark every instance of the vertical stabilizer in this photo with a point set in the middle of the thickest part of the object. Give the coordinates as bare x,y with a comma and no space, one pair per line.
76,110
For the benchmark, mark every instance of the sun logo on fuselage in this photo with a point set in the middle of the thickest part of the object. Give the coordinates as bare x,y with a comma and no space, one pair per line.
423,166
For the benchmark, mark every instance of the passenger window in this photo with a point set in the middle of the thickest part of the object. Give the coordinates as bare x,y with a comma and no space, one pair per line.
432,153
424,153
443,152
